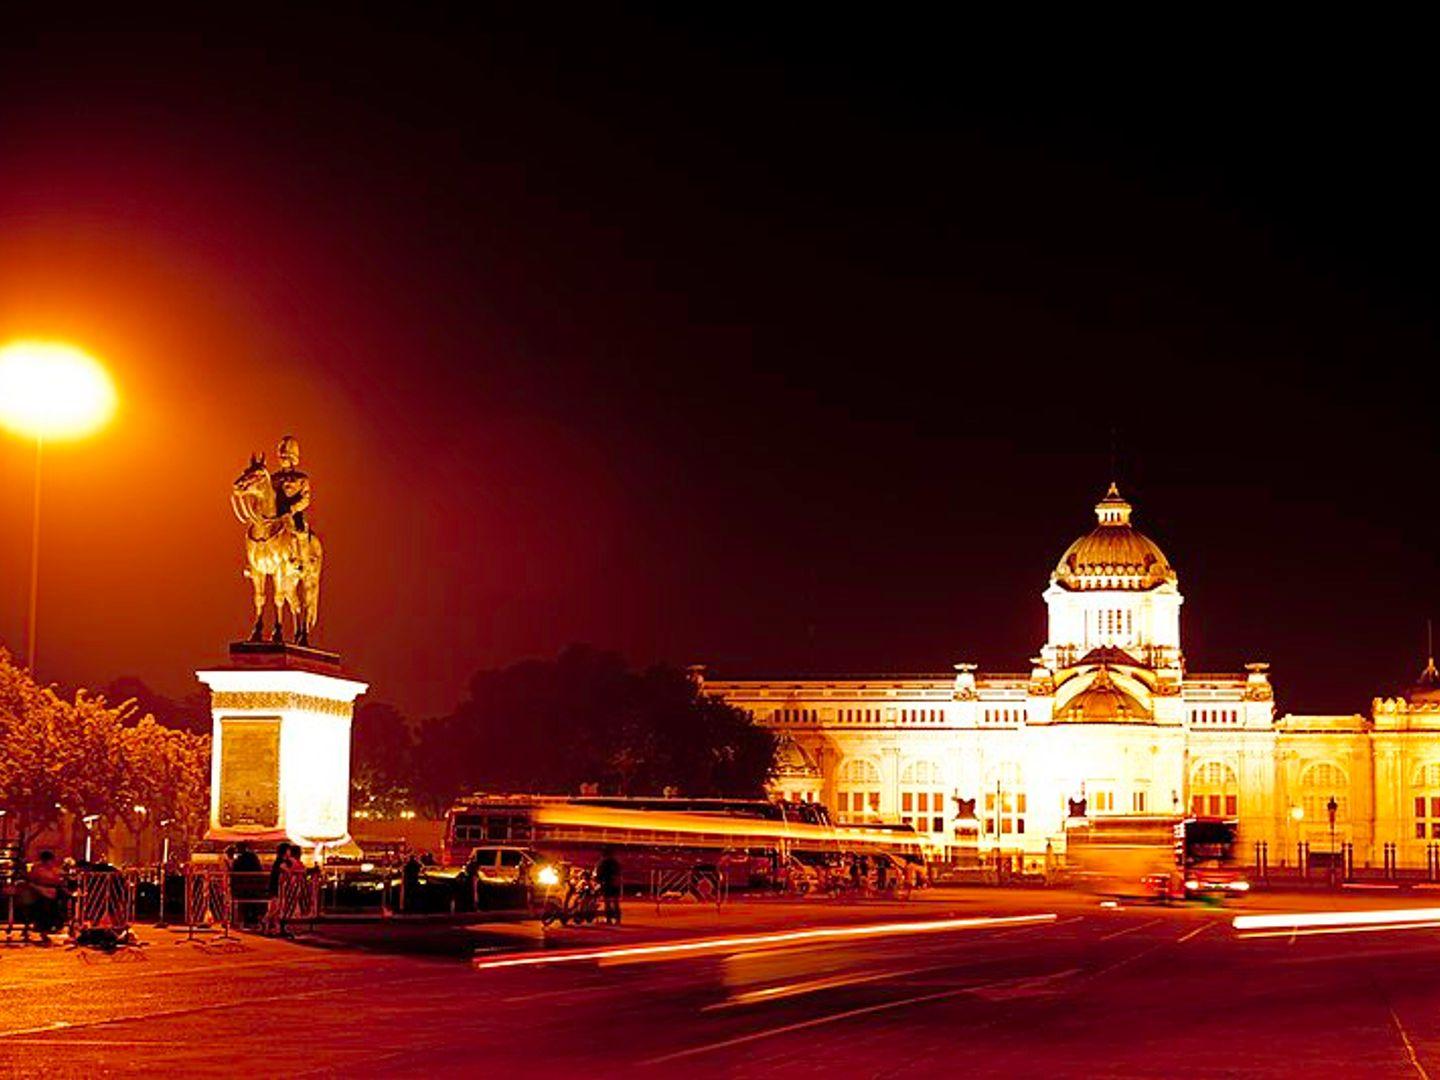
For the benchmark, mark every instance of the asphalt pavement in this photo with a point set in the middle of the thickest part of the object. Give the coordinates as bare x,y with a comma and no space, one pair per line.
976,982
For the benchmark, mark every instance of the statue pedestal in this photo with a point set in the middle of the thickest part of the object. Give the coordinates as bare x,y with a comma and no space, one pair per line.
280,757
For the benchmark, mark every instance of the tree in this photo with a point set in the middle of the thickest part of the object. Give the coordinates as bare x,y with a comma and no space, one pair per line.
190,713
39,753
548,726
86,757
382,760
168,772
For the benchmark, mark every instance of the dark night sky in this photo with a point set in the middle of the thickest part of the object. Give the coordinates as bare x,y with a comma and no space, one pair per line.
781,347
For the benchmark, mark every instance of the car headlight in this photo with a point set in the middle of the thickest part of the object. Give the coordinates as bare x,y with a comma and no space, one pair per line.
1241,886
1192,884
547,875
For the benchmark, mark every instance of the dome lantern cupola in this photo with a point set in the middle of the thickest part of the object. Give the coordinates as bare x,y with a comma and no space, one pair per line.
1114,555
1112,509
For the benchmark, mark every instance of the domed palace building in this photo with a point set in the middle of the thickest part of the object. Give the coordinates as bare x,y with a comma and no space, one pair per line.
1108,723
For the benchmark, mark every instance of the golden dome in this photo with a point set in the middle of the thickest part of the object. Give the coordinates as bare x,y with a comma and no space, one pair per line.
1102,702
1113,555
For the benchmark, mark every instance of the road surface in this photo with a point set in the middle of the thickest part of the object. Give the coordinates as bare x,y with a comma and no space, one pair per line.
1057,986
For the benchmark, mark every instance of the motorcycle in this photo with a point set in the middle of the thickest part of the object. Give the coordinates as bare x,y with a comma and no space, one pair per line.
578,903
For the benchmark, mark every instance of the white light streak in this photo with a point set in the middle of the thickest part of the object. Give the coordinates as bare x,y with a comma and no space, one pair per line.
675,950
1336,921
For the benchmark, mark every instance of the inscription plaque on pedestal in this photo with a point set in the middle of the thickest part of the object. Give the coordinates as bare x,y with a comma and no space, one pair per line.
250,772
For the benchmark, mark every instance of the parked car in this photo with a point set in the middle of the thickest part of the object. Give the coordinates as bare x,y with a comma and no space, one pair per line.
501,864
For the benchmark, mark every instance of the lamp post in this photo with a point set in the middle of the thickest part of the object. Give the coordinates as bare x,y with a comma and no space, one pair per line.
164,864
89,822
1330,808
49,391
1297,814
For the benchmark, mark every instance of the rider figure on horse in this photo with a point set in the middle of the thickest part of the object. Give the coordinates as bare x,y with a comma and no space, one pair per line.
292,496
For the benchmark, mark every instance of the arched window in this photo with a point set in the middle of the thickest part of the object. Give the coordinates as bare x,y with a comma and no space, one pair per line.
858,791
1427,802
1318,785
922,797
1004,801
1214,790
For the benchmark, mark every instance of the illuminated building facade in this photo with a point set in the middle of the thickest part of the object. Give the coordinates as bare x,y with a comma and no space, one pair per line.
1107,722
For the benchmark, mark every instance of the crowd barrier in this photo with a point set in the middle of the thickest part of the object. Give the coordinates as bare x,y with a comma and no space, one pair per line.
692,884
102,900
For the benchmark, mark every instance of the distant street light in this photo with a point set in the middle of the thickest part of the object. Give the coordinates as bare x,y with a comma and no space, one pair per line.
49,391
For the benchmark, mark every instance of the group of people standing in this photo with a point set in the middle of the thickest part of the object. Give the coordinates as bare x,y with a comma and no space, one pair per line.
265,903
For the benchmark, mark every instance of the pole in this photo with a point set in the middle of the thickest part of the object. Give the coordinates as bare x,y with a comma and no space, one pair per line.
34,560
164,872
1331,807
999,841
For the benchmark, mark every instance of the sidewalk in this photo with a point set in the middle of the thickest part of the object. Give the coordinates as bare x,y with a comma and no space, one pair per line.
28,973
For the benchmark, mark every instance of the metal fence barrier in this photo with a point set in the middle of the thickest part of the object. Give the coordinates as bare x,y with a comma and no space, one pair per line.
102,900
703,886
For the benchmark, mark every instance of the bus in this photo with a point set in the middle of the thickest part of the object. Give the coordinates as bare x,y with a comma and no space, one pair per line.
1205,857
750,842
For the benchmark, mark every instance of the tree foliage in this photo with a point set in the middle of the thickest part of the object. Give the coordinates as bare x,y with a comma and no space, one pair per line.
83,756
585,717
382,761
190,713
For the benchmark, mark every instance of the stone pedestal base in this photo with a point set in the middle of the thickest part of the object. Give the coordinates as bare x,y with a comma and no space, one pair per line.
280,760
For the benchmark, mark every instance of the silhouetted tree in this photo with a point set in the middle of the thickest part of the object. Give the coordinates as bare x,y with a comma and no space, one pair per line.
551,725
190,713
382,760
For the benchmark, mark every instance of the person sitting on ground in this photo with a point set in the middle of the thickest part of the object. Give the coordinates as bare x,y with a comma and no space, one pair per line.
46,884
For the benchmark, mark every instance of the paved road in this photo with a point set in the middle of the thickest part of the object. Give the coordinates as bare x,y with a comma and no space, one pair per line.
1091,992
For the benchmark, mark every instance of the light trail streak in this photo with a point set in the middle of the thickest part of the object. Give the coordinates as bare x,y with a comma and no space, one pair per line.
811,986
675,950
1315,931
609,824
1336,921
849,1014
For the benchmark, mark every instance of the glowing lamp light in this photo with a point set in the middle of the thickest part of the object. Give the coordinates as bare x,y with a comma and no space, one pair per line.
52,391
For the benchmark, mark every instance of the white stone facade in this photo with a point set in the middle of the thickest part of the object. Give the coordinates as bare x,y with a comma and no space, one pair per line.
1107,713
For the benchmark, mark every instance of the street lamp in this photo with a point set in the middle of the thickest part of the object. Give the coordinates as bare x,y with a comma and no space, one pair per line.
1330,808
49,391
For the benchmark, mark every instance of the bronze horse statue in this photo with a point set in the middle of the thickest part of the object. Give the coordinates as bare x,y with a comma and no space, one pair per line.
275,551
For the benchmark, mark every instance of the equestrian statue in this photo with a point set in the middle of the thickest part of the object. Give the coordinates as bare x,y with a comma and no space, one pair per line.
280,547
